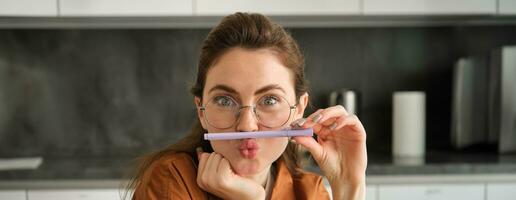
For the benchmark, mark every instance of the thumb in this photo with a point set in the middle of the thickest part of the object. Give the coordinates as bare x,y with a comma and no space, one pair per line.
311,145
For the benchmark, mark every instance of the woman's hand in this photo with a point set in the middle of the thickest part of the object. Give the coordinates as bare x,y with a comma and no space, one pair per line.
340,149
215,175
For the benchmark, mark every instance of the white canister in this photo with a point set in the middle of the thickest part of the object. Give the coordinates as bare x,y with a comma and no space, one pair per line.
408,124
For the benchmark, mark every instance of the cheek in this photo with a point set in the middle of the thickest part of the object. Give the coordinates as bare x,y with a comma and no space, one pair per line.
273,148
223,147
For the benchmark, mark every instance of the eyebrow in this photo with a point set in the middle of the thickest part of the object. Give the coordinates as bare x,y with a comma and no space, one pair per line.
259,91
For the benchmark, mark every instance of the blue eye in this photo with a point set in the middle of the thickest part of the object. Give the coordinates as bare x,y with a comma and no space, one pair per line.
224,101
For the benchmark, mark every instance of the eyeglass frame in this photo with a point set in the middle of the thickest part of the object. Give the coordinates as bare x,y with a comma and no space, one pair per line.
203,109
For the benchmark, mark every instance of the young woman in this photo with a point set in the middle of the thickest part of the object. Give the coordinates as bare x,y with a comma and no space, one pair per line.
250,78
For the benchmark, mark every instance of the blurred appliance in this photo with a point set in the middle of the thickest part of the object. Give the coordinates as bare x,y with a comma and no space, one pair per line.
469,102
484,100
502,98
347,98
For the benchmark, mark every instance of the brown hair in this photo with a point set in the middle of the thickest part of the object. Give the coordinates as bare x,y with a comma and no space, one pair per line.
249,31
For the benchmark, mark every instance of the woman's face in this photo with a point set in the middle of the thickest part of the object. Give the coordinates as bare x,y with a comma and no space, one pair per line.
249,77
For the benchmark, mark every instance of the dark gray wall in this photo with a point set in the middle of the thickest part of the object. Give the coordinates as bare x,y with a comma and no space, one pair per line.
123,92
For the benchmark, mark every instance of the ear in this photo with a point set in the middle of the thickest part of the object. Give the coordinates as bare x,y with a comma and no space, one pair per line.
200,114
301,106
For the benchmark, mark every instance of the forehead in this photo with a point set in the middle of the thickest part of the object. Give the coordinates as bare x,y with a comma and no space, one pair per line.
248,70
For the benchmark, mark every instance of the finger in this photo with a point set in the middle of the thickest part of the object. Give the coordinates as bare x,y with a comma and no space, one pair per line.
224,171
304,123
315,126
202,157
207,173
311,145
332,112
200,171
329,121
224,168
314,117
325,116
299,124
296,124
353,122
214,165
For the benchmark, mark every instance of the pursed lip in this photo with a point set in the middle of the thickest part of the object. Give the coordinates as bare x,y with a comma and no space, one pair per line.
249,148
249,144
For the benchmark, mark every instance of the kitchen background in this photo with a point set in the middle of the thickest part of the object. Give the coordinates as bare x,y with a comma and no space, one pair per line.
111,92
86,86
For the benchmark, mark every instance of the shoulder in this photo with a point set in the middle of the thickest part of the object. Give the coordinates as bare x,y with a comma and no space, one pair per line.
174,159
174,165
172,174
171,163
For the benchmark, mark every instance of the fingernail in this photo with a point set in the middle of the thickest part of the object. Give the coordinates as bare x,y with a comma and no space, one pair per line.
293,141
198,149
301,121
333,126
316,118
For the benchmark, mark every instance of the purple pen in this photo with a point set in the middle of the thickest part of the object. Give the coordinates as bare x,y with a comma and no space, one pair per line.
258,134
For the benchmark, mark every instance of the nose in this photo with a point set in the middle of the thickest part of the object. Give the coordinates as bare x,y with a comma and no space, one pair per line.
247,120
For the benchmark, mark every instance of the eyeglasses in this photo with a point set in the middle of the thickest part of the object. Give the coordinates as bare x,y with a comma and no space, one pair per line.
271,111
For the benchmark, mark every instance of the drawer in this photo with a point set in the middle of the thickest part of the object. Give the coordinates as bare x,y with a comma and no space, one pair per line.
75,194
432,192
371,192
13,194
496,191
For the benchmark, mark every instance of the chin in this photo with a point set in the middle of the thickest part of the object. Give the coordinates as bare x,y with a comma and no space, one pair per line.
245,167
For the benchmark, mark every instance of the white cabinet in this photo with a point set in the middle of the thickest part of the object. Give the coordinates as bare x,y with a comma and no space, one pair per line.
429,7
43,8
431,192
497,191
13,194
278,7
371,192
82,194
125,8
507,7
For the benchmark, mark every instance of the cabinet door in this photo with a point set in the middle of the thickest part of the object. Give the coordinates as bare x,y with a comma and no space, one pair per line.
507,7
429,7
371,191
431,192
125,7
90,194
13,194
278,7
42,8
496,191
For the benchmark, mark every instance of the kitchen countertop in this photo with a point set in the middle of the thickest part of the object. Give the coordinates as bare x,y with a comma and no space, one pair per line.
443,163
110,172
74,168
